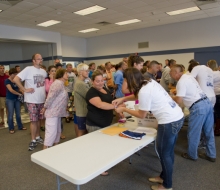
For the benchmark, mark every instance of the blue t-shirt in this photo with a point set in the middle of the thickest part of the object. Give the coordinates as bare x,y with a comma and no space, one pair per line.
90,74
118,79
10,95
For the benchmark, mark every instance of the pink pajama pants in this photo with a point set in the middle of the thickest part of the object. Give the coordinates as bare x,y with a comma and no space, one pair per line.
53,131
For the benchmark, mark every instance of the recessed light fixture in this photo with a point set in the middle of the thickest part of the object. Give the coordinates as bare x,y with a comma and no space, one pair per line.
128,22
181,11
90,10
89,30
49,23
1,10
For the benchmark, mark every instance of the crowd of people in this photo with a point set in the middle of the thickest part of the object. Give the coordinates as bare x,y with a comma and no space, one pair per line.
88,96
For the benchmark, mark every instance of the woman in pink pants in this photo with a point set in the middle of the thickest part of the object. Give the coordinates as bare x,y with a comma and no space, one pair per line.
55,108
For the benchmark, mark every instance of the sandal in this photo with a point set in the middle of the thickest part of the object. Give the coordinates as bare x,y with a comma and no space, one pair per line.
11,131
23,128
186,156
62,137
104,174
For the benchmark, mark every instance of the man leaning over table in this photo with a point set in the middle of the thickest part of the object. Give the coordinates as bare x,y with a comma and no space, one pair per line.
201,114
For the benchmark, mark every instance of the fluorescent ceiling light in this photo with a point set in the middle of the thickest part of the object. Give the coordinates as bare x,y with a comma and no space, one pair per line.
181,11
89,30
90,10
128,22
49,23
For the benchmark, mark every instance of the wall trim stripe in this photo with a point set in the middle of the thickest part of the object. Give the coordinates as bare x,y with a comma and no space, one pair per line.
81,59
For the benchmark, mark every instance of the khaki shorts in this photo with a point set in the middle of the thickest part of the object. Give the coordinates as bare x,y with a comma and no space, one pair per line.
2,102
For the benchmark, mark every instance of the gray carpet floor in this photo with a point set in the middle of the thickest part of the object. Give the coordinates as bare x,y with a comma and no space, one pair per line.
17,172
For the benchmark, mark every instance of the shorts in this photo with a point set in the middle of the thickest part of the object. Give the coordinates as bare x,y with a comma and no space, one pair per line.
34,111
2,102
81,123
75,119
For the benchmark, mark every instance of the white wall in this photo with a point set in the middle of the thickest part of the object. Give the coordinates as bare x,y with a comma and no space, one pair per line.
10,51
180,58
73,47
191,34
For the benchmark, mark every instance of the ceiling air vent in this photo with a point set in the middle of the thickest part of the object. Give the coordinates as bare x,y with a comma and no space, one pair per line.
103,23
143,45
10,2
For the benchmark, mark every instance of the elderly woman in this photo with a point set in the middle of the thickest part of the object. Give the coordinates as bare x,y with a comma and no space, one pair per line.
152,97
81,87
55,108
12,102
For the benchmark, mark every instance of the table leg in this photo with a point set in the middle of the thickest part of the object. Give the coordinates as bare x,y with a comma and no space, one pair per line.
58,182
155,147
78,187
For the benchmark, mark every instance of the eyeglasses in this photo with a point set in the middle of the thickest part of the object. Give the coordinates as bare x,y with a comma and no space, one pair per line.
39,59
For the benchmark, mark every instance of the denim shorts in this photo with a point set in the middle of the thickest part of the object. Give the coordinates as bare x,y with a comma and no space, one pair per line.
81,123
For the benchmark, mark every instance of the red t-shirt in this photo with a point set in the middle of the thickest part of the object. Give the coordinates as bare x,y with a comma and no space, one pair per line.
2,85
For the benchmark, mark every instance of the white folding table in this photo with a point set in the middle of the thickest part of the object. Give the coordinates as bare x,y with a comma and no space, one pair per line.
80,160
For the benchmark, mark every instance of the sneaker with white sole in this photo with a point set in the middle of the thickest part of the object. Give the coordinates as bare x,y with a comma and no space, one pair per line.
40,140
32,145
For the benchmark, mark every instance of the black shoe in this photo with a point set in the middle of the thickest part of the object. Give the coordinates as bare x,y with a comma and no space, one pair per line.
32,145
204,156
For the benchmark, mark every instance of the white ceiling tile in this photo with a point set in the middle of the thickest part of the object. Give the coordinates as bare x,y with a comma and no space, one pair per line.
16,10
9,14
55,5
66,2
217,9
26,5
34,13
4,6
25,17
214,14
69,9
210,5
176,2
43,9
193,17
82,4
39,2
135,4
161,5
108,4
151,2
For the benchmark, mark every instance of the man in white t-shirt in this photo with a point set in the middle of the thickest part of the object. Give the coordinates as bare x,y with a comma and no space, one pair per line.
34,95
204,76
201,114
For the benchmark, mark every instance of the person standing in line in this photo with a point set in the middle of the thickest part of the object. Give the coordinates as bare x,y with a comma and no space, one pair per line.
91,69
165,79
81,87
152,97
69,87
56,61
18,68
3,77
201,117
110,80
166,63
34,96
216,82
55,108
159,72
152,70
118,78
12,102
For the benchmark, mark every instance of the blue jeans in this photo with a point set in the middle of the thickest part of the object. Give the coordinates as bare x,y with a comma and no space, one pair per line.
166,138
14,105
201,119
